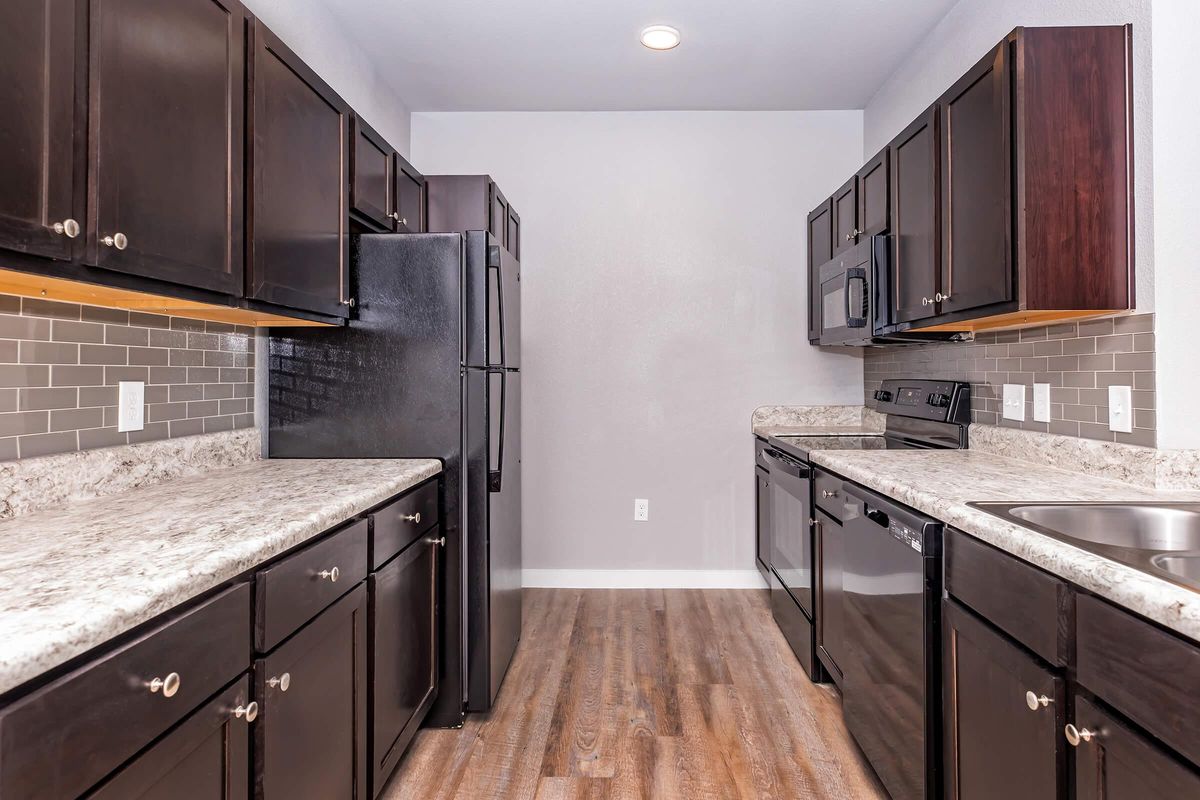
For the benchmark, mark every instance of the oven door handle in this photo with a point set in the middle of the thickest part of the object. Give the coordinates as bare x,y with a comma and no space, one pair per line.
855,274
778,462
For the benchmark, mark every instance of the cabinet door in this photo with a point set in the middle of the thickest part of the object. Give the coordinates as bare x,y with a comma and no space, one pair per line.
372,187
977,265
845,216
410,198
820,250
403,618
37,127
916,259
831,624
299,252
1002,738
167,83
874,195
762,518
513,235
310,739
497,213
205,758
1115,763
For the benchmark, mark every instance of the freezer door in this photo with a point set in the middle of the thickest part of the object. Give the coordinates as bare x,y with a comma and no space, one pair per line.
493,304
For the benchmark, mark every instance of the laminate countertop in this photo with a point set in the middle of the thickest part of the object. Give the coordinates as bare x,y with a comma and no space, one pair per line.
941,483
75,577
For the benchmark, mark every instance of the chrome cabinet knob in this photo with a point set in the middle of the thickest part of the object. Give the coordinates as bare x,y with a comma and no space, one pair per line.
395,216
249,712
1036,701
828,493
349,302
440,541
68,228
284,682
939,297
411,517
1076,735
117,240
330,575
168,685
404,220
925,301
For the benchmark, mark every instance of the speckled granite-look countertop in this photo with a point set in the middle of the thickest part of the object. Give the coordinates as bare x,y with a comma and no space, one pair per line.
941,483
75,577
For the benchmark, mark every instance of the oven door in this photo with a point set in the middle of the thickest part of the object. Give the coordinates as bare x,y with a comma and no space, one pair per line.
845,287
791,527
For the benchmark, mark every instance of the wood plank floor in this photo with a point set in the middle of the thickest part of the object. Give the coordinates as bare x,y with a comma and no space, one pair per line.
651,694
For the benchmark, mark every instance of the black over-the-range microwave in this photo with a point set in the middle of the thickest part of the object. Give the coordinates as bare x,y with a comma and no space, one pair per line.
855,298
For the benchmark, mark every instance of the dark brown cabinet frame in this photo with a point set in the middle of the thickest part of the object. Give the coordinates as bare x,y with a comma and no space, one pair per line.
819,250
916,220
875,195
368,144
410,197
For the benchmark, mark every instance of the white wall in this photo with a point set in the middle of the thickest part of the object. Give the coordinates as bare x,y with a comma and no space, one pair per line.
313,29
663,299
970,30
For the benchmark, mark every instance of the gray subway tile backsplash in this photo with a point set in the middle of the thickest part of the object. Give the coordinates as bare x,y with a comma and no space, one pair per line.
1079,361
60,363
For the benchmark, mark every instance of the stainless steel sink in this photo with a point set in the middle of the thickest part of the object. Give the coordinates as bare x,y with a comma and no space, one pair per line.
1161,538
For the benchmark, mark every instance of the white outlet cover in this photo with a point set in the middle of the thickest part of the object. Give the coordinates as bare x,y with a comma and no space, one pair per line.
1014,401
641,510
131,399
1041,402
1120,409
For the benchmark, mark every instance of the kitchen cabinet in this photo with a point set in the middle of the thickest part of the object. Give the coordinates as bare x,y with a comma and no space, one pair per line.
372,183
845,216
874,195
916,224
166,198
831,615
820,250
410,197
311,733
298,253
459,203
1004,715
762,511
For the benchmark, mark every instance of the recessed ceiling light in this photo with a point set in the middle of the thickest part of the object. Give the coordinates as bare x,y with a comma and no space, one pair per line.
660,37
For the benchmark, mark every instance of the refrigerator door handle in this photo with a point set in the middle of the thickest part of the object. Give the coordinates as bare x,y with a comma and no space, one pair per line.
496,475
494,267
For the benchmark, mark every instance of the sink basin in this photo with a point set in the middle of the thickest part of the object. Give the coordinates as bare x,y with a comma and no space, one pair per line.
1162,528
1186,567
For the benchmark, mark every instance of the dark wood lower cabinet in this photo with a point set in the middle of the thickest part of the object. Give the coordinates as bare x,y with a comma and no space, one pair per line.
1000,742
404,665
831,641
762,520
205,758
310,737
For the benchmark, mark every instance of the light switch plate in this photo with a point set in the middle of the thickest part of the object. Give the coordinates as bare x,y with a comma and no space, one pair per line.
131,399
1041,402
1120,409
1014,401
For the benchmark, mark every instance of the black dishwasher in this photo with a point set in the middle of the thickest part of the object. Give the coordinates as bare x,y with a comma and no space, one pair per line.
892,584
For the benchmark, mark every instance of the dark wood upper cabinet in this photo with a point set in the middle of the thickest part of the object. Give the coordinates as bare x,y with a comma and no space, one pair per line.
410,197
165,140
1000,741
916,223
311,734
845,216
498,214
976,164
820,250
38,127
298,254
372,186
512,236
472,203
874,195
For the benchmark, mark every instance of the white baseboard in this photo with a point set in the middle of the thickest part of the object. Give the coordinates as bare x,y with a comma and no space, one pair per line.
643,579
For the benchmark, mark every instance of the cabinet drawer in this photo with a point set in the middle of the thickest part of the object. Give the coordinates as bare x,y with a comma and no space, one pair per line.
1151,676
1016,597
398,524
827,491
60,740
296,589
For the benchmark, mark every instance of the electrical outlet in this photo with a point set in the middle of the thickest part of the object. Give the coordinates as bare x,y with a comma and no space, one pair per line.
641,510
1120,409
131,399
1014,401
1041,402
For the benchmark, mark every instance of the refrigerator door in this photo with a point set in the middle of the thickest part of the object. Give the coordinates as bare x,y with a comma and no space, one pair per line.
493,304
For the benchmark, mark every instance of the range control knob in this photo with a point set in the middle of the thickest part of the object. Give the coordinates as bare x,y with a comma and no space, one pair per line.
939,400
883,395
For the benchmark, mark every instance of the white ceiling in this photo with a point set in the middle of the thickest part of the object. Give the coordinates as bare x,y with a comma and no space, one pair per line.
584,55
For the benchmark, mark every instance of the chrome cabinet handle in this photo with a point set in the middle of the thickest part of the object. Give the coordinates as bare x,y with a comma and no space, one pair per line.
117,240
248,711
925,301
939,297
68,228
1076,735
396,216
1036,701
168,685
440,541
411,517
827,493
284,682
329,574
349,302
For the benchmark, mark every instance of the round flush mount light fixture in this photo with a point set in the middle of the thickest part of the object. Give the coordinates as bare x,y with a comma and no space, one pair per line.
660,37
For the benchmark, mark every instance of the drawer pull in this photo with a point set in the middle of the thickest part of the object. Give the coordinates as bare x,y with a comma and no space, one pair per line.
1076,735
68,228
1035,701
412,517
440,541
284,682
329,574
169,685
828,493
248,711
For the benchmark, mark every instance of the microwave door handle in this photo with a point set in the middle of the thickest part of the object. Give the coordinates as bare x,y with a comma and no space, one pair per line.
855,274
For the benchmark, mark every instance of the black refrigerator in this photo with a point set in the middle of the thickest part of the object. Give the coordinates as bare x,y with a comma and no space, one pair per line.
429,367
